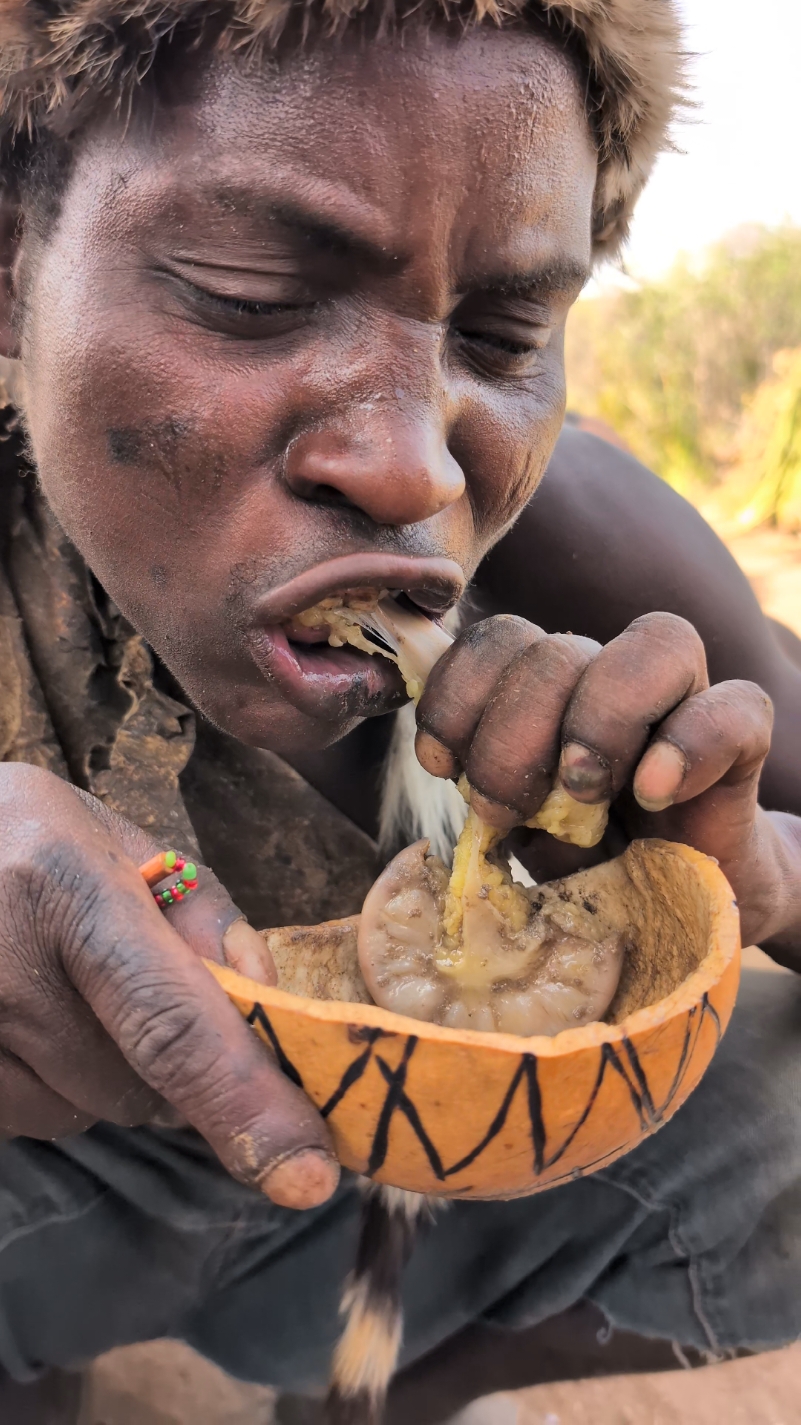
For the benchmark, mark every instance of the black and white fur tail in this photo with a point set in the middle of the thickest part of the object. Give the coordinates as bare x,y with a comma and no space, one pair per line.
365,1357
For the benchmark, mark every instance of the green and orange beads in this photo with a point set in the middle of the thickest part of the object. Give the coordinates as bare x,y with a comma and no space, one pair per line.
163,865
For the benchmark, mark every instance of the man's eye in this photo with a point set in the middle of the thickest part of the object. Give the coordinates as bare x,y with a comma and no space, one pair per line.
242,307
512,352
499,343
252,317
249,316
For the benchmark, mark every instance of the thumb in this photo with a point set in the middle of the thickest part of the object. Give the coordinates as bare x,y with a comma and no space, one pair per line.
184,1038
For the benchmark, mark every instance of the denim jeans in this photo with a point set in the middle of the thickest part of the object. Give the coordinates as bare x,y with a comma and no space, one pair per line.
695,1237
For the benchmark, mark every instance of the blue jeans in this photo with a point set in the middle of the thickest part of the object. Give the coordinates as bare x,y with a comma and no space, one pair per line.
695,1237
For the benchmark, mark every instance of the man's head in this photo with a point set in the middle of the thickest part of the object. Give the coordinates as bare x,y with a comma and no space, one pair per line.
293,304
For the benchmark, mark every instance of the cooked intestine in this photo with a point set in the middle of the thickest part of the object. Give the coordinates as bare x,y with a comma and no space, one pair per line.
476,951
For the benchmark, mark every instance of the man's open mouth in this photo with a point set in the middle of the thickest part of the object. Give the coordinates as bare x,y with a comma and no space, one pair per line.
304,631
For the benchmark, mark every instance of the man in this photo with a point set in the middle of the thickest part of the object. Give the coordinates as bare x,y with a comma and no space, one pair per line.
288,290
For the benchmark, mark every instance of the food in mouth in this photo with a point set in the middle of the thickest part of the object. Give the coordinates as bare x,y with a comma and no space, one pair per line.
472,949
373,621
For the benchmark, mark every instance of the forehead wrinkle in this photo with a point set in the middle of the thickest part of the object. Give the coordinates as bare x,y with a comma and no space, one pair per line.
328,214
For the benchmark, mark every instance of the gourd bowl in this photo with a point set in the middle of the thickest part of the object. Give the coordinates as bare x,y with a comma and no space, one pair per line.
465,1114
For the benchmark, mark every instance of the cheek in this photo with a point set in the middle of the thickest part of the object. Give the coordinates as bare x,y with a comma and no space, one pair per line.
504,440
148,455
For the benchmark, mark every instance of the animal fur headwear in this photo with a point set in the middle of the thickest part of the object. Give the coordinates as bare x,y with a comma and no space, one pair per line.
57,57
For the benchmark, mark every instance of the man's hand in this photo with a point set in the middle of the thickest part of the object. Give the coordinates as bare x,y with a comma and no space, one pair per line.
634,723
107,1012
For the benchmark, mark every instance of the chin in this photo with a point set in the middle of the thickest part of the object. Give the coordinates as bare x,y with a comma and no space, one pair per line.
277,727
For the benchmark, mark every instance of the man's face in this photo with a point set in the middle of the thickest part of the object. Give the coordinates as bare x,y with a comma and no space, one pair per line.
313,311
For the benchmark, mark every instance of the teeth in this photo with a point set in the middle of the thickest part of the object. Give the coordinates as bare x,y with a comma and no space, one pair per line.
405,636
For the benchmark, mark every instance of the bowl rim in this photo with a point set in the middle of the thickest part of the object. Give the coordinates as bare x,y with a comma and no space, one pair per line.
724,933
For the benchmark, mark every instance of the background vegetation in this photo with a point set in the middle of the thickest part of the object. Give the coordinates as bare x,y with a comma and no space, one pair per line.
700,373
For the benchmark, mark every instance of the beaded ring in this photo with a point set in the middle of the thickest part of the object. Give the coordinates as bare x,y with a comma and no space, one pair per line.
163,865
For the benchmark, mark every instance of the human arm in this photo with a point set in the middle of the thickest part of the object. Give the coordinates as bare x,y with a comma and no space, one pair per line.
604,541
106,1010
602,545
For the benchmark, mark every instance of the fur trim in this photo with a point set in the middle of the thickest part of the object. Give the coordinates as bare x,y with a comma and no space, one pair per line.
366,1355
57,56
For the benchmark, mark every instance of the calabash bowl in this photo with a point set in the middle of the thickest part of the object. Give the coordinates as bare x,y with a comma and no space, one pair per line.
459,1113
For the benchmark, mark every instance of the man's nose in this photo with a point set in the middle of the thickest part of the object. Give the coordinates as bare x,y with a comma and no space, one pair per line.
396,469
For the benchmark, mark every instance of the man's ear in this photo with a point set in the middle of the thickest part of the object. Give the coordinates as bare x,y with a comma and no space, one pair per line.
10,234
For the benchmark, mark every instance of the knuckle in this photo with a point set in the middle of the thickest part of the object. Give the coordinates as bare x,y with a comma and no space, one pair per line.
753,701
157,1039
46,891
568,653
755,698
507,630
671,628
161,1036
554,660
66,899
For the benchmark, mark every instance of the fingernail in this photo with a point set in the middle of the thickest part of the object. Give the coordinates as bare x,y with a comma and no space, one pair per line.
304,1179
583,774
246,951
435,756
659,776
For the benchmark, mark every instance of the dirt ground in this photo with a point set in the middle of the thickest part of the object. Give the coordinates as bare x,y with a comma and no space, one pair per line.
165,1384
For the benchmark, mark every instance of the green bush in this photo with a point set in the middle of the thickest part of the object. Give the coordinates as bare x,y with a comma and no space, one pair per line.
671,364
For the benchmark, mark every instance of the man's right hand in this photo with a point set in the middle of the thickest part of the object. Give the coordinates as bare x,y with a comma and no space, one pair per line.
106,1010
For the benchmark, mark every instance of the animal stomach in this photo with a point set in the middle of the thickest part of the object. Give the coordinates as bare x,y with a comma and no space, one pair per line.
477,951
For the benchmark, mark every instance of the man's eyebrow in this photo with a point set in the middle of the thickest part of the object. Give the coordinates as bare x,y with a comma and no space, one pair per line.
356,233
548,279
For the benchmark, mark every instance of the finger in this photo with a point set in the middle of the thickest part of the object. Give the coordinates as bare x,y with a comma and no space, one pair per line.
30,1108
184,1038
515,751
216,929
45,1023
113,1091
635,681
722,733
72,898
208,919
460,686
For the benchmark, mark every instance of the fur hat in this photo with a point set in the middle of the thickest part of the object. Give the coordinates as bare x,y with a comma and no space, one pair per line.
58,56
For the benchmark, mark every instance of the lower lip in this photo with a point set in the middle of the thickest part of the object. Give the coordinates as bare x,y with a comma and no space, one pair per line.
333,684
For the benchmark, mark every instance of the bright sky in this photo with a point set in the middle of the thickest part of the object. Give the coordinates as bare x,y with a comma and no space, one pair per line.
742,148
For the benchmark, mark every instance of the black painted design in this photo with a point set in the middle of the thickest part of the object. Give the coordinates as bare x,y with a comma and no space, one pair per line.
397,1083
626,1064
259,1016
496,1124
610,1055
642,1082
353,1072
538,1135
589,1106
685,1059
350,1077
407,1107
707,1007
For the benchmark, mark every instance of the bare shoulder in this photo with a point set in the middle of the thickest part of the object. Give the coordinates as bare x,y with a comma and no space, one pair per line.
603,541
